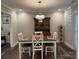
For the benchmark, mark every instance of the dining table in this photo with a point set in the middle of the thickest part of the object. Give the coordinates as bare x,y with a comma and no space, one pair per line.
29,41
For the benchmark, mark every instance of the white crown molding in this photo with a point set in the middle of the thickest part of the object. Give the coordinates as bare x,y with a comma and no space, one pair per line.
7,6
5,12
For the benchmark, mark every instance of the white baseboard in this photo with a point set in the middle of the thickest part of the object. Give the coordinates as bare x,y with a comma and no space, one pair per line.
14,44
69,45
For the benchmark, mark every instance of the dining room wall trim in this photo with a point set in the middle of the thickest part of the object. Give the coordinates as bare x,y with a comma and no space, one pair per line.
14,44
70,46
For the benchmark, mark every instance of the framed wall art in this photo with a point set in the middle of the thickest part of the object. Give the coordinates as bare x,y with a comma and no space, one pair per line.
6,19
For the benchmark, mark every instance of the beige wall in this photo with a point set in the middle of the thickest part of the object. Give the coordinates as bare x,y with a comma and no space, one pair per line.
20,22
25,23
14,28
57,18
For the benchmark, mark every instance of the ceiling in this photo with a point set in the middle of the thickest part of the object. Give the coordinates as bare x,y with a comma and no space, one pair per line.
33,5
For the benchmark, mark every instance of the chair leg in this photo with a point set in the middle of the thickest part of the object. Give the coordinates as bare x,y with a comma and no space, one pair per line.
55,55
33,54
29,52
20,55
46,51
42,54
55,51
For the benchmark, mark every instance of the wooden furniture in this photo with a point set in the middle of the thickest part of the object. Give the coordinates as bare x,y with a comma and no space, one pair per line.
37,44
43,26
45,41
38,33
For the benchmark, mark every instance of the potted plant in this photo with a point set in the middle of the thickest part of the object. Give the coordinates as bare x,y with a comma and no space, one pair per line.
60,32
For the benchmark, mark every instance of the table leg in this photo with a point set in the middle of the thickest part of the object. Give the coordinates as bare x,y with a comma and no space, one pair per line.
42,54
33,54
19,50
55,50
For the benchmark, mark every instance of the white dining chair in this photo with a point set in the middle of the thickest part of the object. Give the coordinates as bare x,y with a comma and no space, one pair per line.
24,48
20,36
37,44
38,32
51,48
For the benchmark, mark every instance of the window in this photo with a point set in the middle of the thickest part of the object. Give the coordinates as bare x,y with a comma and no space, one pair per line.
76,31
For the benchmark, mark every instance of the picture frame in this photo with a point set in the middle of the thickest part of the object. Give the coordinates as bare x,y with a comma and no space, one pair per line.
6,19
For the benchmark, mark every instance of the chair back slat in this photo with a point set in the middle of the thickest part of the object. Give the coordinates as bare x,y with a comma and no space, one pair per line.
20,36
38,32
37,40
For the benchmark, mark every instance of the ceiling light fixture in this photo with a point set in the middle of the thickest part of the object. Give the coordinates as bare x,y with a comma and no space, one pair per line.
59,9
20,9
39,16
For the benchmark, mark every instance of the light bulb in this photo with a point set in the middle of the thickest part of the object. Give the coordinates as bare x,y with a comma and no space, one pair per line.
40,16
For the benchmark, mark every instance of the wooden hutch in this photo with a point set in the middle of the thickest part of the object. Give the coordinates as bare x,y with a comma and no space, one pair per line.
43,26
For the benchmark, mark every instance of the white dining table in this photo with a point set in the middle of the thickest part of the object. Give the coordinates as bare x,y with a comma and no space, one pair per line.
30,41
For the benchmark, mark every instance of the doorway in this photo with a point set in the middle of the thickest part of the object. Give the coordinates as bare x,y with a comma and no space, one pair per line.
5,31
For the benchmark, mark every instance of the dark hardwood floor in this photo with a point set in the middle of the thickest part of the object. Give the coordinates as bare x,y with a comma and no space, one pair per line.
63,52
5,48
